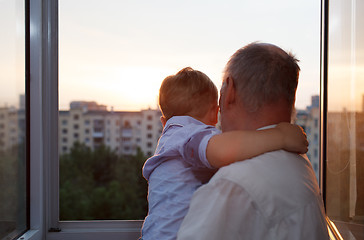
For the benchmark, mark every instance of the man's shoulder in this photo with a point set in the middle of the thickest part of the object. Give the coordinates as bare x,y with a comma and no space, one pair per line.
283,179
270,170
275,160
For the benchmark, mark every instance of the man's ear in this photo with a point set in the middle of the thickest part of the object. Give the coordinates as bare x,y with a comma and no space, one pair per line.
230,93
163,120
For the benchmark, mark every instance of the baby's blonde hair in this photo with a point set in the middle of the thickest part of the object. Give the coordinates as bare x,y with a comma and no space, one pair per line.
188,92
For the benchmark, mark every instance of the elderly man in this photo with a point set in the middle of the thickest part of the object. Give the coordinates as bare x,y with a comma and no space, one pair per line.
271,196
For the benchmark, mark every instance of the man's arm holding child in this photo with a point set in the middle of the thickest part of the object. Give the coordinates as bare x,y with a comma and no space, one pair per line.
228,147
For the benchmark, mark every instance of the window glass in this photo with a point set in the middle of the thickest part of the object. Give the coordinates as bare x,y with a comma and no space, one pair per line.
112,59
345,117
13,205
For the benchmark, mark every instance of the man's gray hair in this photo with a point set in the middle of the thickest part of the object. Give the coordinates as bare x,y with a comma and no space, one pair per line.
263,73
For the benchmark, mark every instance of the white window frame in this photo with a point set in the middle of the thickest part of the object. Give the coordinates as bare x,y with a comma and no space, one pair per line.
44,167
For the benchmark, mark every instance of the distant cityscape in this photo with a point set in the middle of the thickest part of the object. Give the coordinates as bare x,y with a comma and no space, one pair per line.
124,131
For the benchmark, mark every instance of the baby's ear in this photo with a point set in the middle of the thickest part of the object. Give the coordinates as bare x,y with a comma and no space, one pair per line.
163,120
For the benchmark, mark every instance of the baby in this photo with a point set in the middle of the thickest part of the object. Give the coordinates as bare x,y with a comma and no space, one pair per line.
191,149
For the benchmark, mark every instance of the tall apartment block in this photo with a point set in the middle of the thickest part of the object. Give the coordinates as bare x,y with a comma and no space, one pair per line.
124,132
12,125
309,120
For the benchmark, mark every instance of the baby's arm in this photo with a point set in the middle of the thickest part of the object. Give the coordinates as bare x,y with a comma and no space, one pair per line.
233,146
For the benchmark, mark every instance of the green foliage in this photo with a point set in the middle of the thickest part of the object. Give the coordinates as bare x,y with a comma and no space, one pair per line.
13,184
100,185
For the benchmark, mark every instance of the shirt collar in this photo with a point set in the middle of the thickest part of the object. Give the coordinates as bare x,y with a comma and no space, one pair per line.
181,121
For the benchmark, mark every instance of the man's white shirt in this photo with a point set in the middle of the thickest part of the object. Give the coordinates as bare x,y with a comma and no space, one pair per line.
271,196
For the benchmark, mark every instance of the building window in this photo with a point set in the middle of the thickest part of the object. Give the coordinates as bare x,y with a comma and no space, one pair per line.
75,135
150,117
127,124
75,126
149,144
149,127
87,122
149,135
87,131
64,140
76,117
64,122
64,130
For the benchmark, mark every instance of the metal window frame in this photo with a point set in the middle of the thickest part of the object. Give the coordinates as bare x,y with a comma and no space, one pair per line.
323,94
42,83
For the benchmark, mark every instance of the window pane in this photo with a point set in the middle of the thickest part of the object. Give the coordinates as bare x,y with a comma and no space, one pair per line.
13,206
113,57
345,117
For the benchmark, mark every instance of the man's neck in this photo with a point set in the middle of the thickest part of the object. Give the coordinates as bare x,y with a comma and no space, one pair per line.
269,114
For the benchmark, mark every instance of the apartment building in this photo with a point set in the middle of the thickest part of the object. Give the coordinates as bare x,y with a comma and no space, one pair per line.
124,132
9,128
309,120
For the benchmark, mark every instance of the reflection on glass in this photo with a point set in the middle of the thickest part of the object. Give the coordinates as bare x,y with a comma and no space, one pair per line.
12,120
345,119
112,60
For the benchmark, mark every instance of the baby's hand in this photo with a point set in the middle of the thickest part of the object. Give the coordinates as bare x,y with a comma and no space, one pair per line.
294,138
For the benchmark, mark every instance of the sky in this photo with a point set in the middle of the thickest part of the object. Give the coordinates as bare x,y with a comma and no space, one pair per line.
118,52
12,65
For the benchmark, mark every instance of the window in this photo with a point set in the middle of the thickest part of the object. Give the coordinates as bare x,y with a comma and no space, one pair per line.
76,117
127,124
149,127
149,135
345,117
64,130
14,208
75,126
130,67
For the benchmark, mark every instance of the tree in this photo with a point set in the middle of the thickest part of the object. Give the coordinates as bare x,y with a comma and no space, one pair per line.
99,184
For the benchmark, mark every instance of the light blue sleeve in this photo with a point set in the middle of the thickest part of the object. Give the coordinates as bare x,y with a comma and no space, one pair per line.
194,150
